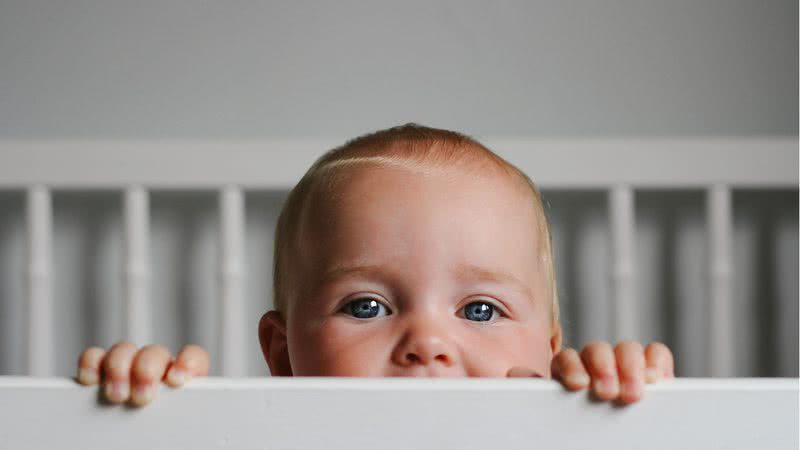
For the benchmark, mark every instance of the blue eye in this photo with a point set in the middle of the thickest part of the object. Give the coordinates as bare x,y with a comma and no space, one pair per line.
480,311
365,308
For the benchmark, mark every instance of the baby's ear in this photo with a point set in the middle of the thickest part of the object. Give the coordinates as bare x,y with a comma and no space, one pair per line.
272,335
555,340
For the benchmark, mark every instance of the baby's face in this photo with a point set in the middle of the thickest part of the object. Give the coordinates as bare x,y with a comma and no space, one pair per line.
412,274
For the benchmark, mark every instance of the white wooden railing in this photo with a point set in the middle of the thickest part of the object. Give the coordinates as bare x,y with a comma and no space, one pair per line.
618,167
353,414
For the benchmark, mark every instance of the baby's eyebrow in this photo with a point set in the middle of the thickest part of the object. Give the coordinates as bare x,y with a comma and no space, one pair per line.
465,272
344,271
472,272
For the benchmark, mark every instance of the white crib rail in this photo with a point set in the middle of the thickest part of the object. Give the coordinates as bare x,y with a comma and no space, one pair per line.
400,414
278,164
137,262
619,166
720,328
621,214
232,268
40,265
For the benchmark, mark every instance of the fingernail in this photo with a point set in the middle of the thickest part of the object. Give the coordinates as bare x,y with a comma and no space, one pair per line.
176,377
651,375
87,376
144,394
577,379
606,386
117,391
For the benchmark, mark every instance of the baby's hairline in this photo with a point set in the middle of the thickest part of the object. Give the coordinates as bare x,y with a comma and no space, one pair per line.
330,173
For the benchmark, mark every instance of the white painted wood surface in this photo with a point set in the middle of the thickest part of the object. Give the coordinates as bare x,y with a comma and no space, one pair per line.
279,164
233,322
40,283
352,414
137,265
720,291
623,287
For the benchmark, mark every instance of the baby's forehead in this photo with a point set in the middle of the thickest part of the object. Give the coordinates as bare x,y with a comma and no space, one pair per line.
413,196
489,188
398,200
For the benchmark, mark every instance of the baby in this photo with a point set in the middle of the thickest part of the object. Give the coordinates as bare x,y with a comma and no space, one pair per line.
416,252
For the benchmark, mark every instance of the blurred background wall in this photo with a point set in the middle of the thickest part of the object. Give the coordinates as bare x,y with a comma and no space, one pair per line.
263,70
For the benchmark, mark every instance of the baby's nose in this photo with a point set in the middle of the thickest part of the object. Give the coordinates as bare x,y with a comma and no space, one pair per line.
423,357
424,348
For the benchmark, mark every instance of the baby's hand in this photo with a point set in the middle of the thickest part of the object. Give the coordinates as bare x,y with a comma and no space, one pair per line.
127,373
616,374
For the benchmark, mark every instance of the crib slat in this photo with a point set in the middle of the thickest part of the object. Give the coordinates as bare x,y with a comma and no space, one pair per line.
621,215
137,265
232,215
40,299
720,319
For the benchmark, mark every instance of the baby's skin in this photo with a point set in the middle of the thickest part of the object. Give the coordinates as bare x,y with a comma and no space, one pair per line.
405,272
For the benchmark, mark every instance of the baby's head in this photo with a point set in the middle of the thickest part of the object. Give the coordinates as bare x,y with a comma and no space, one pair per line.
412,251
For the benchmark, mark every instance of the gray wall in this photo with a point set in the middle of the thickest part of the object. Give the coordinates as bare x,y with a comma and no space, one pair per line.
232,69
206,69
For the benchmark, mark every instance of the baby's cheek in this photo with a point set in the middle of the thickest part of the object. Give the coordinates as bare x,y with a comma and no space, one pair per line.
343,348
493,354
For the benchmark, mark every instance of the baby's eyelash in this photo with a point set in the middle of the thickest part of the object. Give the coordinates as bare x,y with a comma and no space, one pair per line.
365,308
481,310
498,305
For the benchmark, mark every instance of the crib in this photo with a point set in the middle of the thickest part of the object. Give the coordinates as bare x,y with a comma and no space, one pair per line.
247,413
736,413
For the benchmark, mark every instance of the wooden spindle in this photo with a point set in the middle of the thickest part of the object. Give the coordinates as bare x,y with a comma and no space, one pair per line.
137,265
720,318
232,326
39,286
623,290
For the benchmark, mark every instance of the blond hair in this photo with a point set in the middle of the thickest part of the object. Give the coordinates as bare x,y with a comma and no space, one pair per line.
409,145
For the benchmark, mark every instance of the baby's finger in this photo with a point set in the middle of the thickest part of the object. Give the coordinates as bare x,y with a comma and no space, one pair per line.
659,362
630,365
598,359
192,361
116,371
89,365
149,367
568,368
